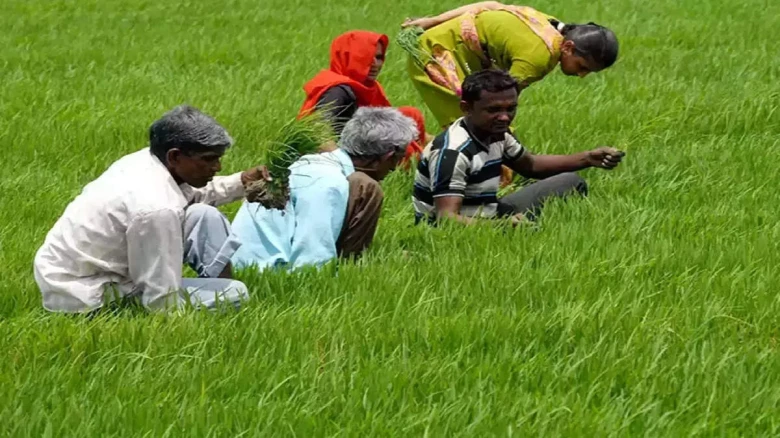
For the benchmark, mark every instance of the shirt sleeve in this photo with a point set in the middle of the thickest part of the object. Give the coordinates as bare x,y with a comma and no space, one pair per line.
319,216
512,149
221,190
339,104
449,171
154,256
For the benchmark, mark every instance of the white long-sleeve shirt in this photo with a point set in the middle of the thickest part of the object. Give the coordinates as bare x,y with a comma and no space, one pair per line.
123,231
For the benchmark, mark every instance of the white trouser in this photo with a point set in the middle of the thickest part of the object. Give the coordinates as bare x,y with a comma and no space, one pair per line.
208,247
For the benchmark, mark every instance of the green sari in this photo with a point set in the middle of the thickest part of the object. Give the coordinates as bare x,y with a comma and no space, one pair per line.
516,39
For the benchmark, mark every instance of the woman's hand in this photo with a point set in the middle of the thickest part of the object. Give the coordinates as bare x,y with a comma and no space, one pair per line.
425,23
428,22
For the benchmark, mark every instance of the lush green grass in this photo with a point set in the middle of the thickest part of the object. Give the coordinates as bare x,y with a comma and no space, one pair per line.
651,308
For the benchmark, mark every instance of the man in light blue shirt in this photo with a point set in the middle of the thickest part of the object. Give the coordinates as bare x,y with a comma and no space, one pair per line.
335,197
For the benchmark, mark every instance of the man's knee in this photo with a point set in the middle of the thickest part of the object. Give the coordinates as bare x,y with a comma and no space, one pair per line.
208,242
203,214
572,182
205,211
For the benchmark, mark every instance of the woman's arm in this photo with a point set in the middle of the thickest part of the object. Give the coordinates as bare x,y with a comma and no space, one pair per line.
339,105
428,22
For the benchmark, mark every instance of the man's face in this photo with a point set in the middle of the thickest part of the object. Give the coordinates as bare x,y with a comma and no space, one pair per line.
195,168
388,164
493,112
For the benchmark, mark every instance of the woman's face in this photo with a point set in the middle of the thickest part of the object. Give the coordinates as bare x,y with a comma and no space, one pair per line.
573,64
379,61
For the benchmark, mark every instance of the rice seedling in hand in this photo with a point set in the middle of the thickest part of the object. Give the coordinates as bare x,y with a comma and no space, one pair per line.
408,40
299,137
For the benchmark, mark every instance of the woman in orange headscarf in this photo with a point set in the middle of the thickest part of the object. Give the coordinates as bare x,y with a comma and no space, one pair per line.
356,58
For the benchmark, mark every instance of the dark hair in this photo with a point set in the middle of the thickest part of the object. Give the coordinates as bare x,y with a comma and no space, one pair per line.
591,41
490,80
188,129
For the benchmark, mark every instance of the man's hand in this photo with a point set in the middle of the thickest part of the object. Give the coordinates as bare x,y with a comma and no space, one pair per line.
605,157
255,174
520,219
256,189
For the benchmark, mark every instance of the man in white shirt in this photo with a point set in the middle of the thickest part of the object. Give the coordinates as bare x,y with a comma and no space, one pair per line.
129,231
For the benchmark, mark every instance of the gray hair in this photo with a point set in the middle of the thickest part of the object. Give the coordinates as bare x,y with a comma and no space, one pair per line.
373,132
188,129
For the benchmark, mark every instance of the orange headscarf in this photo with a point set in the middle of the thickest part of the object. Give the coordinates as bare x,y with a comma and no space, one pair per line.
351,57
415,148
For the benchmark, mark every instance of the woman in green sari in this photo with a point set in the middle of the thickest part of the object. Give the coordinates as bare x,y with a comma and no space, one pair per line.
518,39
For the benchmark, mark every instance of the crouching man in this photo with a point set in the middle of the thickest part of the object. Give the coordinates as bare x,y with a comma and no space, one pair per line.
335,198
129,231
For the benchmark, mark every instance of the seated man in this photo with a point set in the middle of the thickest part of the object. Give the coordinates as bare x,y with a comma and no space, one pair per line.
459,173
335,197
129,231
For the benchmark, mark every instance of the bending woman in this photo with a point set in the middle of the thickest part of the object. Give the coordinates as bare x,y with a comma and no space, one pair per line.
356,59
518,39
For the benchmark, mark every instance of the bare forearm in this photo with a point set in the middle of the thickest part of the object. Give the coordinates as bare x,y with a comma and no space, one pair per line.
448,208
219,191
544,166
480,6
465,220
455,13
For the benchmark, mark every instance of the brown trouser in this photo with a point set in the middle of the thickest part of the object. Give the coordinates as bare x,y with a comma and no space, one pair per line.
363,209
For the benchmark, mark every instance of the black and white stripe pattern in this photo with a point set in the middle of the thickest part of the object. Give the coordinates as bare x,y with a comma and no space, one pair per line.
457,164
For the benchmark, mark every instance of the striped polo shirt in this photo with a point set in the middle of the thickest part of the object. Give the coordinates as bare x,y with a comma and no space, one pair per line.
457,164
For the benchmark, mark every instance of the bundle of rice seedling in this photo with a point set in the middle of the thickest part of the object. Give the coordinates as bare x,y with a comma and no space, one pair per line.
409,40
297,138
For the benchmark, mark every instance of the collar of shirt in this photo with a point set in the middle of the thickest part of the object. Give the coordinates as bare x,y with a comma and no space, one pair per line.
184,190
480,143
346,162
336,157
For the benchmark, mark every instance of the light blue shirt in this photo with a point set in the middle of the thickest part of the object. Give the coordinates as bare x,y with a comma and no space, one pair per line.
305,233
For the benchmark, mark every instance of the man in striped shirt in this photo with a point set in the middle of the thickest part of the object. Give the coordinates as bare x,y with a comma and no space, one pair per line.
458,175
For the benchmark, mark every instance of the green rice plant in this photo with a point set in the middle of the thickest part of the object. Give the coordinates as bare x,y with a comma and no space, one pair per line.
409,40
649,308
298,137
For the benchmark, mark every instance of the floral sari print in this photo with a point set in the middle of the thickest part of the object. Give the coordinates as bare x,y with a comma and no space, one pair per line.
442,70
